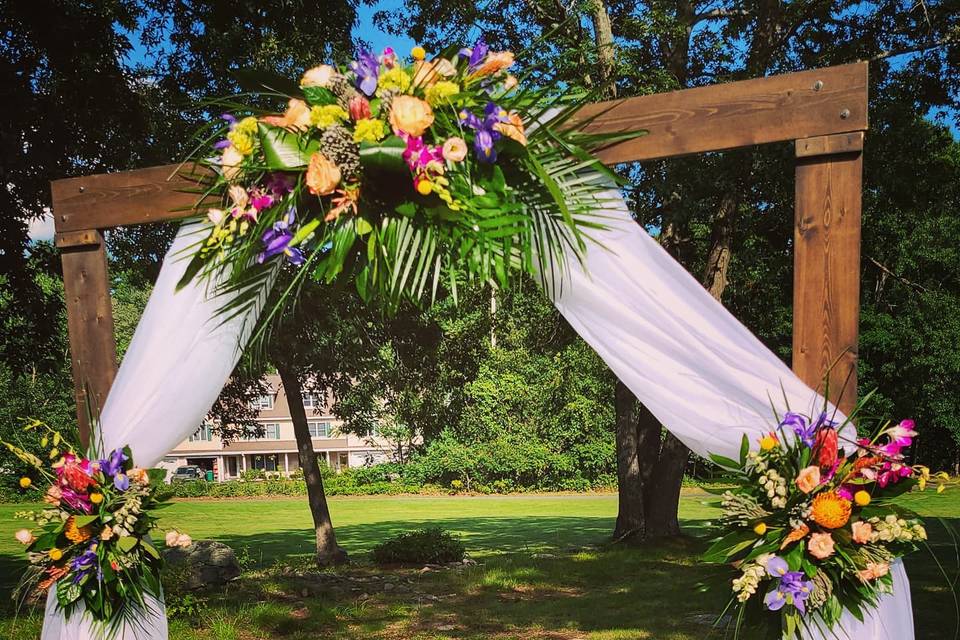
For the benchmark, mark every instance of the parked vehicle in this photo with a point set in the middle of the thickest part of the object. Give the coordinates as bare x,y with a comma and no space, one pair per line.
187,474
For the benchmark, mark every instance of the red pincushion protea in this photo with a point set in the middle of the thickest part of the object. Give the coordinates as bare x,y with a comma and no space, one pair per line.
826,447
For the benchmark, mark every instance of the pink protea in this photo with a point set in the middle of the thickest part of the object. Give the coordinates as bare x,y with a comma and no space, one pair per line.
359,108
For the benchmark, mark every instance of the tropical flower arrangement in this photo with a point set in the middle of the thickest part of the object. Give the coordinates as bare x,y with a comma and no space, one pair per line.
402,173
91,541
811,526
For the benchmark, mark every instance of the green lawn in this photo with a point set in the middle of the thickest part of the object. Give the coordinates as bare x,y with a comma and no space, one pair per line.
543,572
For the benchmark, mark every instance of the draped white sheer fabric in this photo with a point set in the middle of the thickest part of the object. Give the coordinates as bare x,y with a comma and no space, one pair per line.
700,371
178,361
695,366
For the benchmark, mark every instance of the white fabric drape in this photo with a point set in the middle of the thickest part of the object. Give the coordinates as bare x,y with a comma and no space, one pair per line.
695,366
178,361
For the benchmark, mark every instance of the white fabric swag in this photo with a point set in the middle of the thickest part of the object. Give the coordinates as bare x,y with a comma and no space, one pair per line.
698,370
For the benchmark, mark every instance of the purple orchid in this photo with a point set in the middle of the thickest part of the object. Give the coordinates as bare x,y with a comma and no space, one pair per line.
278,184
121,482
260,200
419,155
797,423
113,464
486,132
475,54
367,68
76,500
276,240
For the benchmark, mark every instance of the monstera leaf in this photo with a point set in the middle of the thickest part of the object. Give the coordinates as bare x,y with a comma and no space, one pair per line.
385,156
284,150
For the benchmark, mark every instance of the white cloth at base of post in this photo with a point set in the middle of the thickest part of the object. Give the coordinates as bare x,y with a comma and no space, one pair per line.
698,369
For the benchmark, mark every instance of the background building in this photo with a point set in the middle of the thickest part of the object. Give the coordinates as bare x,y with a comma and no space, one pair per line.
276,450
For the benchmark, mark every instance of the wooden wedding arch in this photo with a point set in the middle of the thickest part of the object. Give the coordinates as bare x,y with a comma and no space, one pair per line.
823,111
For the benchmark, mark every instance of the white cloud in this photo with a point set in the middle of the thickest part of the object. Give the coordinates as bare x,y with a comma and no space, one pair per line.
41,228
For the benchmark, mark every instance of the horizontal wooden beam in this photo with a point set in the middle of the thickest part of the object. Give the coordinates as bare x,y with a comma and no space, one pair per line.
780,108
105,200
829,145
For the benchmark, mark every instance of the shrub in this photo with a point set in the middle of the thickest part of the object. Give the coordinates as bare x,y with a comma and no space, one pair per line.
432,545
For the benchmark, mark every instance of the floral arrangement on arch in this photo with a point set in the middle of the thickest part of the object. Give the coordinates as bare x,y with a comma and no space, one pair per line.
91,541
405,174
811,524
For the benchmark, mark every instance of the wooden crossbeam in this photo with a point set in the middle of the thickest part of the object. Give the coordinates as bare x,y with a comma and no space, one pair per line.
824,111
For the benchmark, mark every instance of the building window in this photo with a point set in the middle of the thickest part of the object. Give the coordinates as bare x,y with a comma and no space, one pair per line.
266,462
203,434
264,402
319,429
271,431
311,401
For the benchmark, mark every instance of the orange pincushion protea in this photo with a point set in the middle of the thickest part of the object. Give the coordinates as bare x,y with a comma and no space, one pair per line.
75,533
830,510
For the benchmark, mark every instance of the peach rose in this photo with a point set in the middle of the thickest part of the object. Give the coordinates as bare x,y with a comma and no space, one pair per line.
428,73
297,116
808,479
171,538
53,496
510,83
820,545
24,536
230,163
410,115
496,61
454,149
323,176
861,532
183,540
873,571
513,128
139,476
321,76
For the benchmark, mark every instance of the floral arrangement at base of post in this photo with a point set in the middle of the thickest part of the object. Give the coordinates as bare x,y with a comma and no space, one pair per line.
405,174
811,525
91,542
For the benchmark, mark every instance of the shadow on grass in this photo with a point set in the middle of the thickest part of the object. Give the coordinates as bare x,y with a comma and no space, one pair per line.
586,587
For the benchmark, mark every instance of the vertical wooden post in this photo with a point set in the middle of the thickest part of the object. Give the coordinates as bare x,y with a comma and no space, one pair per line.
826,279
89,320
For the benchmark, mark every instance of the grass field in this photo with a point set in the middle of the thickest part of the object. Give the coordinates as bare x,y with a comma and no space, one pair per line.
543,572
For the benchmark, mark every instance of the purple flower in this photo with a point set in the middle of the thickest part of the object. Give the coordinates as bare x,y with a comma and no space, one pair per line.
76,500
799,425
229,118
279,184
84,564
260,200
777,567
775,600
475,54
486,132
794,585
113,465
276,240
367,69
121,482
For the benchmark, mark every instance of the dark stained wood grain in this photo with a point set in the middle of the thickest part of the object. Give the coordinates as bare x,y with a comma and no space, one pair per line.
90,325
826,280
109,200
736,114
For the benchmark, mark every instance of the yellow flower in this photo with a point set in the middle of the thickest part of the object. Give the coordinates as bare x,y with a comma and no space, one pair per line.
513,128
25,482
75,533
760,528
248,126
411,115
418,53
55,554
768,442
862,498
395,79
242,142
327,115
323,176
321,76
830,510
440,91
96,498
369,129
424,187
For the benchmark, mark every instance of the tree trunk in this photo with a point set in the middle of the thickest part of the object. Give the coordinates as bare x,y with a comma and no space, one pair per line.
606,54
328,551
630,509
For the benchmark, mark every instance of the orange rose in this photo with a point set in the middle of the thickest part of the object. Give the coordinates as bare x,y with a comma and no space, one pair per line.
861,532
496,61
820,545
410,115
873,571
808,479
323,176
513,128
297,116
